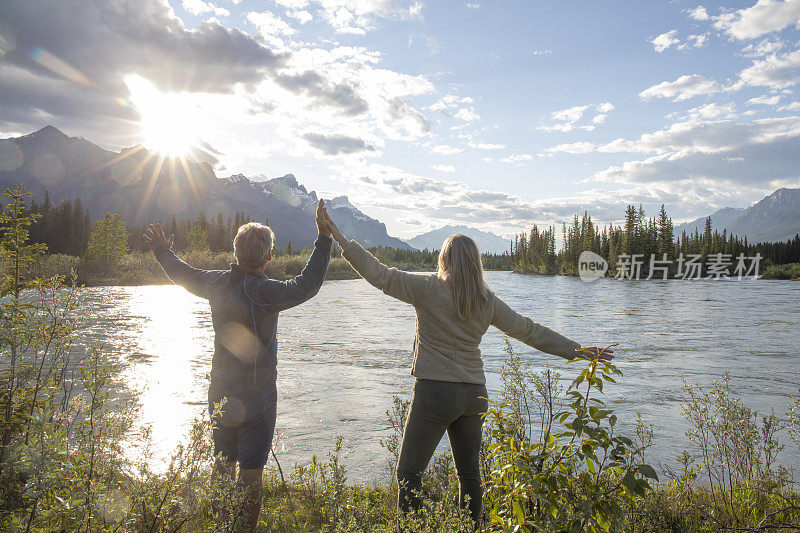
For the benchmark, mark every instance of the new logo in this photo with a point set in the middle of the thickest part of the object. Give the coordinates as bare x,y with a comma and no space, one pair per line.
591,266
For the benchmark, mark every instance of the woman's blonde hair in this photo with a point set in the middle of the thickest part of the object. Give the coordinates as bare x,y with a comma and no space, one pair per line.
252,245
461,267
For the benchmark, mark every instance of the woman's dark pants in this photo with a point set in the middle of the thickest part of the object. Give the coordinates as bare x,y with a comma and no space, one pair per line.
439,406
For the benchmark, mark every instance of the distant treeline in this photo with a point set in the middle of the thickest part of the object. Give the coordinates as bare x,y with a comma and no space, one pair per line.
535,252
215,234
66,229
425,260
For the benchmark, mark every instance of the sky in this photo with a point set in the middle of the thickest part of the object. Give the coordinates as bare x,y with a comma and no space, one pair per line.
497,115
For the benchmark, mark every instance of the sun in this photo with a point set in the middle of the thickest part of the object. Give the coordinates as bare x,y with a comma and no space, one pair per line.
169,123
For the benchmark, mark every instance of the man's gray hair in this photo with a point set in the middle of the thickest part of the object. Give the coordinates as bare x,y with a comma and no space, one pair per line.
252,245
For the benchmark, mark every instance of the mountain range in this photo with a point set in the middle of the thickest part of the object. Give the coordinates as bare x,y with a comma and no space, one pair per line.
774,218
487,242
143,187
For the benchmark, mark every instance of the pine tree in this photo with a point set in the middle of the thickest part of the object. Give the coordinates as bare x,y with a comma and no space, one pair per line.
108,242
197,238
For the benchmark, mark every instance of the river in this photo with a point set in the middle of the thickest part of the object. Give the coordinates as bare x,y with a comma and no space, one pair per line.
344,354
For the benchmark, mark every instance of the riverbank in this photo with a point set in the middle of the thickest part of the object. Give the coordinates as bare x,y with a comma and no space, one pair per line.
141,268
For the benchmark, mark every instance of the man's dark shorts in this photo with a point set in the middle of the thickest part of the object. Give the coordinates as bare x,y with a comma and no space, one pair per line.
246,426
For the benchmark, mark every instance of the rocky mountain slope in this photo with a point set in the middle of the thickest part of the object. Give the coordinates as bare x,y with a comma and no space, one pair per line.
774,218
143,187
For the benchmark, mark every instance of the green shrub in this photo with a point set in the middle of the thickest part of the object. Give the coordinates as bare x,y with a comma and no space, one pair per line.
789,271
580,476
50,265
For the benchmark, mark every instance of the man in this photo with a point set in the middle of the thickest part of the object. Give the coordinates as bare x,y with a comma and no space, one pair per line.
244,312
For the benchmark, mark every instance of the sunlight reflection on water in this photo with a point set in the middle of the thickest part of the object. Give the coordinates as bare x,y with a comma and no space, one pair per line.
344,354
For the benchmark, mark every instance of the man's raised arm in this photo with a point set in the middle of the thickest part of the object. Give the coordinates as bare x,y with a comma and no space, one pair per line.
279,295
195,280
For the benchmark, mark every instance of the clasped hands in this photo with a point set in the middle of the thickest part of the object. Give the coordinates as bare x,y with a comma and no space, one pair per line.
327,227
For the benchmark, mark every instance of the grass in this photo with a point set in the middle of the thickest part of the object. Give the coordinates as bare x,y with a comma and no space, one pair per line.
141,268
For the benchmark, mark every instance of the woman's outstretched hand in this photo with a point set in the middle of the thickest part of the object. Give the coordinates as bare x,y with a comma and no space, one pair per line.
156,239
322,225
592,352
335,233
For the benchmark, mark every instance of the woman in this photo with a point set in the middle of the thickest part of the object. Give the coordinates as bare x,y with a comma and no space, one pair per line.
454,308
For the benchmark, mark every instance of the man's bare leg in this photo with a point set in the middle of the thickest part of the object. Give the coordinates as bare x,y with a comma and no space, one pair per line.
251,481
223,471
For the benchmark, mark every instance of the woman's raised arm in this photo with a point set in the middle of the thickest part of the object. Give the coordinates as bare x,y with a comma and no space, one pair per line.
402,285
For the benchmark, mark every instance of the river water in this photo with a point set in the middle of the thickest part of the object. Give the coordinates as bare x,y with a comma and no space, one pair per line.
343,355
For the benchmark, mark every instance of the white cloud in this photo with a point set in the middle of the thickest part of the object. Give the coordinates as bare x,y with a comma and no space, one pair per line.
695,150
473,5
444,149
545,52
565,120
292,4
344,86
346,16
446,202
454,106
793,106
699,13
764,17
717,136
669,39
694,136
694,41
449,102
392,188
683,88
271,27
467,115
572,148
571,114
765,47
774,71
443,168
707,111
764,100
665,40
517,158
486,146
300,15
198,7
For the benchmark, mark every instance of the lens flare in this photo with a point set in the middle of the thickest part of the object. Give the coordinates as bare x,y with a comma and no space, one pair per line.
55,64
